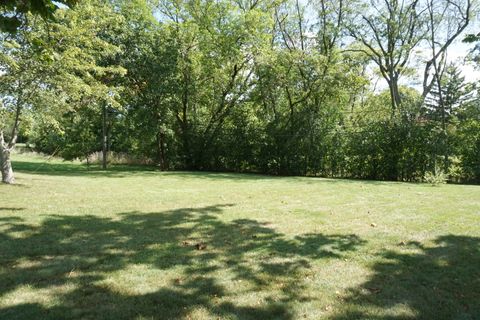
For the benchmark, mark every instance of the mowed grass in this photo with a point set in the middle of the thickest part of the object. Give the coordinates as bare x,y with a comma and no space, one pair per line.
79,243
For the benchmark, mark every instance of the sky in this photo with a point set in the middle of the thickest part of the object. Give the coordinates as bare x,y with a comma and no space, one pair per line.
457,53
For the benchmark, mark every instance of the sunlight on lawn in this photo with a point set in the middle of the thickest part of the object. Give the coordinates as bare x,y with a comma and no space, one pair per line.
79,243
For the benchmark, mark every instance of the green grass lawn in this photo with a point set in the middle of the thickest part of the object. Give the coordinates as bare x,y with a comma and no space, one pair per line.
78,243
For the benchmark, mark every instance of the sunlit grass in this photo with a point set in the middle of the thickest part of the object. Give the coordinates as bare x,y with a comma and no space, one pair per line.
80,243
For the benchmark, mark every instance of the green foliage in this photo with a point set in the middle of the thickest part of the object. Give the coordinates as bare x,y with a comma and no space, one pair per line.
122,244
232,86
436,177
469,136
469,38
455,170
63,70
13,12
454,92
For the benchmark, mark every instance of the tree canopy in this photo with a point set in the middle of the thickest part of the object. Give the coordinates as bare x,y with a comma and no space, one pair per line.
14,11
278,87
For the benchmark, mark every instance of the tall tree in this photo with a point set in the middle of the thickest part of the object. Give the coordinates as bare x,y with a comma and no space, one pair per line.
447,19
453,89
22,63
68,56
389,30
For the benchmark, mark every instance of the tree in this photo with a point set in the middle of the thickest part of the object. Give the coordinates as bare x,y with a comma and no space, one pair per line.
151,55
68,57
15,12
454,91
469,142
244,85
22,65
390,30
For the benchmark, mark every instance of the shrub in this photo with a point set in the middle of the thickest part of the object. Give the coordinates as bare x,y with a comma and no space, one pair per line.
435,178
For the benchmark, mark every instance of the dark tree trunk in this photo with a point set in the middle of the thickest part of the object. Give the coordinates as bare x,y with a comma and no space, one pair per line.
104,137
161,156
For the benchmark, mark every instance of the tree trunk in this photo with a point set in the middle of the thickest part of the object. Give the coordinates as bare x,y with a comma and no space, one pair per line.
7,147
6,166
161,156
104,137
394,92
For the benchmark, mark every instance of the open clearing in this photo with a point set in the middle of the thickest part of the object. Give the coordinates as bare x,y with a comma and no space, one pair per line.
133,244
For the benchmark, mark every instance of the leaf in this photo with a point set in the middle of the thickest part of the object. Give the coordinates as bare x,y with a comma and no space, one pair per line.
201,246
374,290
469,38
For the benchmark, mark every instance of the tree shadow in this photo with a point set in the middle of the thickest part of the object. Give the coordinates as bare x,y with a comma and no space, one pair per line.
72,169
205,254
219,175
421,282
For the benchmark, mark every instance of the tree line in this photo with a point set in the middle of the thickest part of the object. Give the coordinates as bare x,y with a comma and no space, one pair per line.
273,86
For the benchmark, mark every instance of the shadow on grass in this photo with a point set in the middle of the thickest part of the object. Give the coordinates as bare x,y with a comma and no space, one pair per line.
208,257
121,171
240,257
438,282
75,169
57,168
